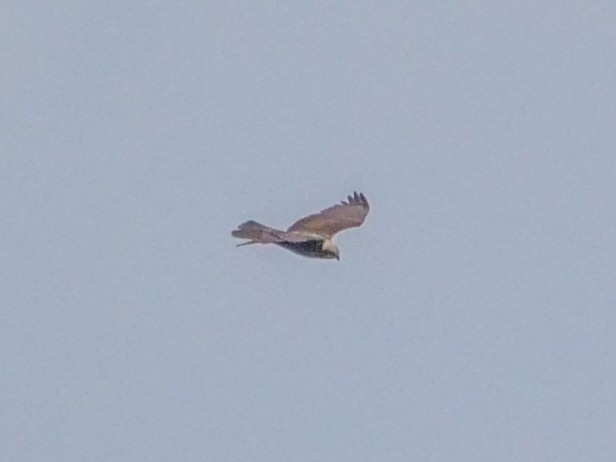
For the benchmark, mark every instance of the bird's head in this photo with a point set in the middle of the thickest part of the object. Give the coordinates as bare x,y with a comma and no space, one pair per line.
331,250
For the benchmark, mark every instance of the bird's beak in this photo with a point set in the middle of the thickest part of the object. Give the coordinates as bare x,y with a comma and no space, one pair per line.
338,257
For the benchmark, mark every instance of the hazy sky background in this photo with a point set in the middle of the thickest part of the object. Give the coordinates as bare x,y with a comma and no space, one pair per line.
471,318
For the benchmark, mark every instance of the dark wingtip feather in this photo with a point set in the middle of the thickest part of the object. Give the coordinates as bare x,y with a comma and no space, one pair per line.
356,198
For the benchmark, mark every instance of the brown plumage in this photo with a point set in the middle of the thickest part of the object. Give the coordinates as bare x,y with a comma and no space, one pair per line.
311,235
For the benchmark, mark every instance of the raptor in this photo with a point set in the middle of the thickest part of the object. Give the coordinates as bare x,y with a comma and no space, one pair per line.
311,235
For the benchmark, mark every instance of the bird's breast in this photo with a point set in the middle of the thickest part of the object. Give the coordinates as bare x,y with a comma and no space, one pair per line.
311,248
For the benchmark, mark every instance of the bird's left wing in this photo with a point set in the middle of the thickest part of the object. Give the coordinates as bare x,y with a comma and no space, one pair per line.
260,234
347,214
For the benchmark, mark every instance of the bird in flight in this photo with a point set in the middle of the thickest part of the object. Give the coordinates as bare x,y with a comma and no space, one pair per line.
311,235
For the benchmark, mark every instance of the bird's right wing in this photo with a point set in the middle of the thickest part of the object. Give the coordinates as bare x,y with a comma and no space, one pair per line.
347,214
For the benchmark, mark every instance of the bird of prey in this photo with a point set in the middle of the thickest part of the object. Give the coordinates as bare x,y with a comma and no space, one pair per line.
310,236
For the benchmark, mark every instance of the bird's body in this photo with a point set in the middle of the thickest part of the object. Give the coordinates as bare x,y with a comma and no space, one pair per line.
312,248
310,236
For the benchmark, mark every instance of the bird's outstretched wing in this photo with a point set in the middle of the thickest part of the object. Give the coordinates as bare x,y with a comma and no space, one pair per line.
261,234
347,214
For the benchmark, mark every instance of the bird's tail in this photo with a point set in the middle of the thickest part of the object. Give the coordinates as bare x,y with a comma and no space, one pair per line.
256,232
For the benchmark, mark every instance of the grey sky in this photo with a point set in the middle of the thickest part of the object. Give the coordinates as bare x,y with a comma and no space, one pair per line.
471,318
